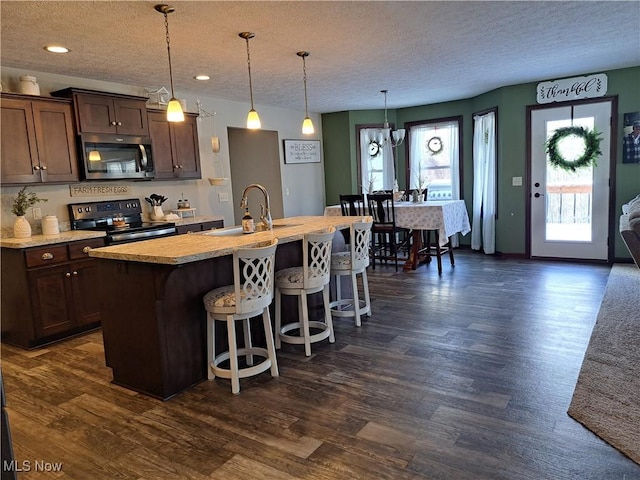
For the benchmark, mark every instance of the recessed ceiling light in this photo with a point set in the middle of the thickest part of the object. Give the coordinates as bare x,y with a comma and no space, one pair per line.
202,77
56,49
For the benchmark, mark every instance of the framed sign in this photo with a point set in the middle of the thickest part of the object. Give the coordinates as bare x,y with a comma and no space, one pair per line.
301,151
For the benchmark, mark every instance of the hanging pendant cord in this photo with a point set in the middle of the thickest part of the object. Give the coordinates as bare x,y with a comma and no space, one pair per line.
304,76
166,26
249,68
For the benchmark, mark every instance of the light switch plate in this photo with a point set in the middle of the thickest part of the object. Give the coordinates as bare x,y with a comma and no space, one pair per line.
516,181
223,197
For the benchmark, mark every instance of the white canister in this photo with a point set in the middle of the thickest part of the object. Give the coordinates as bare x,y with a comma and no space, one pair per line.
50,225
28,85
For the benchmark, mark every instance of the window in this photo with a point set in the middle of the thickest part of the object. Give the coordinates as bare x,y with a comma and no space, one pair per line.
434,158
377,170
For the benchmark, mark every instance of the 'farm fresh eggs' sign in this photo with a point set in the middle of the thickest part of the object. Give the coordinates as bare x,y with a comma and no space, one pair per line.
575,88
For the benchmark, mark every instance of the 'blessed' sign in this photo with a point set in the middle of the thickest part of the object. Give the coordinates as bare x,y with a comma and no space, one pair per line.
575,88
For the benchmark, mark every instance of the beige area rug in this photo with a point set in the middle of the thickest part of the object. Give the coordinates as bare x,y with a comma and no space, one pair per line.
606,399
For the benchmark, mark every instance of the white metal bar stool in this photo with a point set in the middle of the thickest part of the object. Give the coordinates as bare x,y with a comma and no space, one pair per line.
249,296
313,276
352,263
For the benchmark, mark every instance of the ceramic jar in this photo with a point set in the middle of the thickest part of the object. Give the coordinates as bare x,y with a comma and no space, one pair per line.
50,225
28,85
157,213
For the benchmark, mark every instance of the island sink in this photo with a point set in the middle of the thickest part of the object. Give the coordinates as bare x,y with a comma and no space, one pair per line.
236,231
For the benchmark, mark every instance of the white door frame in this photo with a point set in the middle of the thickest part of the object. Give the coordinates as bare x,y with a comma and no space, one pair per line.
608,146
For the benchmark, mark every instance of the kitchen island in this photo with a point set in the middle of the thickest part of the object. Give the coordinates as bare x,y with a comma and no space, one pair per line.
153,318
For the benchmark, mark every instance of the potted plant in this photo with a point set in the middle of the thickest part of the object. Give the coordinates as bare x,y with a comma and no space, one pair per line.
21,203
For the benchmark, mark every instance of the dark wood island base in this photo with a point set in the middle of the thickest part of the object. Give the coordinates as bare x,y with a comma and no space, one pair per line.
154,321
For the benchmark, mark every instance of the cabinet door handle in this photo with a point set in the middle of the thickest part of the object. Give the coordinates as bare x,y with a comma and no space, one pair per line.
68,275
75,273
86,249
47,256
113,123
176,166
36,167
44,167
119,124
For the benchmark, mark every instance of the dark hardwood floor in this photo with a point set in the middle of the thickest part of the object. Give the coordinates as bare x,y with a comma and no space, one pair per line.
467,375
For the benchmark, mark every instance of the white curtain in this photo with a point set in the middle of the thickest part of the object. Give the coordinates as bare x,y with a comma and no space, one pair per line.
379,169
483,230
419,159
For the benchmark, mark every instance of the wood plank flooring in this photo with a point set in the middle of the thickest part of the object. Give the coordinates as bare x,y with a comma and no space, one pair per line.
467,375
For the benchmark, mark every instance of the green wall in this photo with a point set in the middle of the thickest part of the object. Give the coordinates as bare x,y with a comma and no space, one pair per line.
339,136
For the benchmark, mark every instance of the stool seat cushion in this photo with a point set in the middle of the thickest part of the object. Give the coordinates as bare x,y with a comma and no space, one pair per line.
220,299
341,261
289,277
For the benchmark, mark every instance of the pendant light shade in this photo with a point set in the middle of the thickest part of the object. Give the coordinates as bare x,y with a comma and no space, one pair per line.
253,119
94,155
174,109
307,124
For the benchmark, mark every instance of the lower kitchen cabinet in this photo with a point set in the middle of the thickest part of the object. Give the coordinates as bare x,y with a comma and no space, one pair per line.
49,293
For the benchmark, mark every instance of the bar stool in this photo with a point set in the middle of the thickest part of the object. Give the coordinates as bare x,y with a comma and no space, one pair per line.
352,263
249,296
313,276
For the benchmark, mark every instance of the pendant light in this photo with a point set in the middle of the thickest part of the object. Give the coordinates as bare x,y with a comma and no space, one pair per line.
253,120
94,154
174,109
307,124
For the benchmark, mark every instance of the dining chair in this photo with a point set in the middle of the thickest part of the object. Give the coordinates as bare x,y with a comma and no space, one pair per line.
249,296
352,204
314,275
386,237
435,248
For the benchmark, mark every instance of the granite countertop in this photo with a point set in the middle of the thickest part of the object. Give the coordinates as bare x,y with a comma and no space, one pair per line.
73,235
40,240
194,247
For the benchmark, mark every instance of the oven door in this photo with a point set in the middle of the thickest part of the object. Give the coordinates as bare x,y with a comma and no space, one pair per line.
114,157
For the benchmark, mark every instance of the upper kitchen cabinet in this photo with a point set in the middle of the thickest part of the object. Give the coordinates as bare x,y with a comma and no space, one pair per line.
175,146
98,112
38,140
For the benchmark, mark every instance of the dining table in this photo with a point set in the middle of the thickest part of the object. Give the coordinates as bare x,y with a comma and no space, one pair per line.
447,217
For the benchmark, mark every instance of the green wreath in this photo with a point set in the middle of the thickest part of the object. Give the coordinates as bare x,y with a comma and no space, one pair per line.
589,154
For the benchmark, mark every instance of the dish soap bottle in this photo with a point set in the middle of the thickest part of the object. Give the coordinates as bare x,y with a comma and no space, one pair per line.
248,226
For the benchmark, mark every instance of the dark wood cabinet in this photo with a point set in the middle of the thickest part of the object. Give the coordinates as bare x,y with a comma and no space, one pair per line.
49,292
98,112
199,227
175,146
38,141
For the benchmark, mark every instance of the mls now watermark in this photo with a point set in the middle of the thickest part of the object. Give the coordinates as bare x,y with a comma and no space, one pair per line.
29,466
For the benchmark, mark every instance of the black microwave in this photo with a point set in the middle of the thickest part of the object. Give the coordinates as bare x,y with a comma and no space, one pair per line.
116,157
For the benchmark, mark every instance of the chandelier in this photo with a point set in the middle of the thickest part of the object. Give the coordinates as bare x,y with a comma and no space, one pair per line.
385,136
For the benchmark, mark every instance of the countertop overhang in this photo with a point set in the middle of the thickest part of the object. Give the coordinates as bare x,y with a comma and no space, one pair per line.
194,247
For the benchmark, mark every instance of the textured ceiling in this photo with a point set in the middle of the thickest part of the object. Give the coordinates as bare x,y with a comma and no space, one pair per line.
421,51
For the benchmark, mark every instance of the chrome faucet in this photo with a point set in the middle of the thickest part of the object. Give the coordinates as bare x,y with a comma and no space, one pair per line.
265,208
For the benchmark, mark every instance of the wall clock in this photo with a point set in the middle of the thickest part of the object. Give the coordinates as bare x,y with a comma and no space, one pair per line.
434,144
374,148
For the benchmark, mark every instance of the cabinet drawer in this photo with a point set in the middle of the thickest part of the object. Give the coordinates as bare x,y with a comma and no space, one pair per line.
78,250
50,255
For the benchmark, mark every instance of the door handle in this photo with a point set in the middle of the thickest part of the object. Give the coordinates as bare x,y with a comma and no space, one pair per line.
537,195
